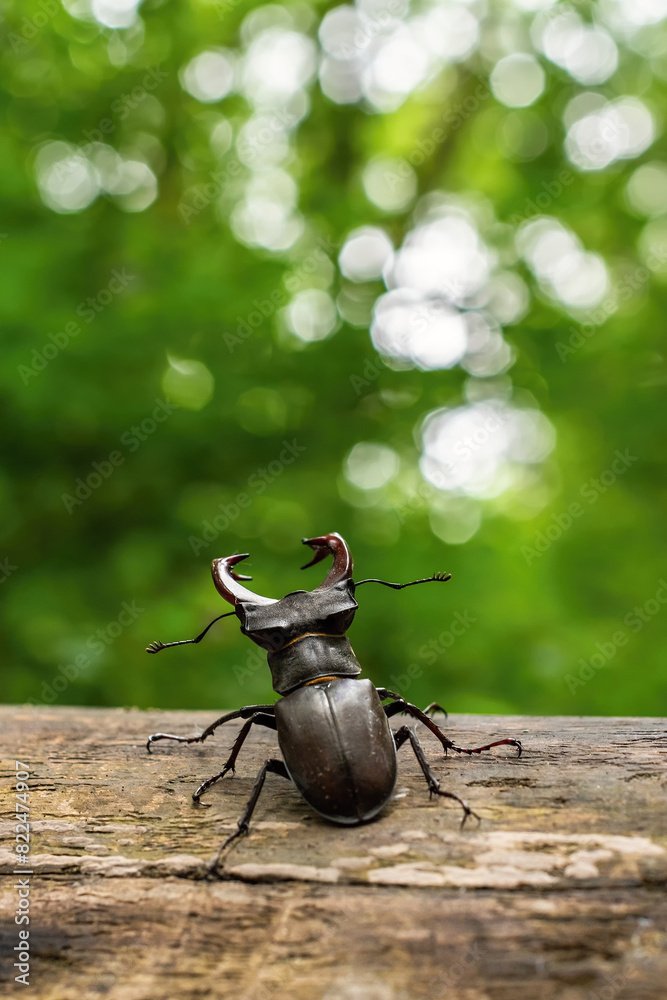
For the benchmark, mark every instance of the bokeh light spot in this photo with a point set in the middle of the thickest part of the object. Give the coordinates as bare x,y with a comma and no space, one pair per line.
209,76
311,315
646,190
188,383
478,449
517,80
365,254
369,466
261,411
391,184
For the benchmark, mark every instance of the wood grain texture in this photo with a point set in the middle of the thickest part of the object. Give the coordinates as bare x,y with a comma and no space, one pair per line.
559,893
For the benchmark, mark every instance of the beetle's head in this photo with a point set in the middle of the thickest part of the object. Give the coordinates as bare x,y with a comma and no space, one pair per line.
331,545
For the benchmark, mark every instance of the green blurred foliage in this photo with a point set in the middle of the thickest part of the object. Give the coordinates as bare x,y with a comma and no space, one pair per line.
162,336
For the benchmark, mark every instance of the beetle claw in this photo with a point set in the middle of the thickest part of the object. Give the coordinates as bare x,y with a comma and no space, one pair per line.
155,647
469,812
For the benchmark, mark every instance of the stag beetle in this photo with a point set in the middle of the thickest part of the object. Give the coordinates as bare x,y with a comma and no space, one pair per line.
333,731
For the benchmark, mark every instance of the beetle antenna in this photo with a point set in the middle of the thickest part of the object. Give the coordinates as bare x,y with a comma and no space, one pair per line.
156,646
436,578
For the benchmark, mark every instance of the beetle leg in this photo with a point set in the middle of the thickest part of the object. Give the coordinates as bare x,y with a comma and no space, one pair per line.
273,765
242,713
405,733
401,705
497,743
434,708
259,719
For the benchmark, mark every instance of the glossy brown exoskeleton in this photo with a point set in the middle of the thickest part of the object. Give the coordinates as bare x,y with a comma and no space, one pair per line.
333,730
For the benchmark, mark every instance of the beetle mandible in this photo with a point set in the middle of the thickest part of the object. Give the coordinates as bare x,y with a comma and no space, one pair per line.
333,730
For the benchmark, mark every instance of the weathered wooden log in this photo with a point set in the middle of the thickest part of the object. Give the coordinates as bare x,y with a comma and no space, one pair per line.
558,893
